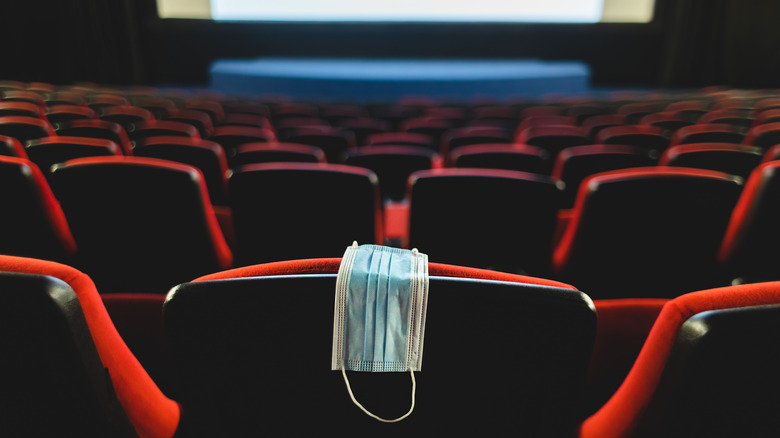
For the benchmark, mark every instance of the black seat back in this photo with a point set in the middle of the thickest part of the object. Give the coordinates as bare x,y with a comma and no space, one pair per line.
500,359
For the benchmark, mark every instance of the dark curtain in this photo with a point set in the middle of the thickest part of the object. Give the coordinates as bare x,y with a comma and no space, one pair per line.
70,41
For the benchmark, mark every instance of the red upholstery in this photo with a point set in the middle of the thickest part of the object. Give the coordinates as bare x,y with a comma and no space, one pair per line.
49,204
619,416
222,250
97,129
157,128
26,109
707,133
25,128
186,235
623,326
11,147
749,229
562,251
151,412
331,266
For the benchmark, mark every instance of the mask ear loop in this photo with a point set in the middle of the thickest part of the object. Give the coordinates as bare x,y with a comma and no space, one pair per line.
384,420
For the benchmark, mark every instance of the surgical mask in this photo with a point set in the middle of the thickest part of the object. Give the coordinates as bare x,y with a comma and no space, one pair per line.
379,314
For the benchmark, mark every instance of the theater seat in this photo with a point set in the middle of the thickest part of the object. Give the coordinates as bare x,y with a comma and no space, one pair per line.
268,152
66,113
125,115
708,133
142,224
708,368
525,158
764,136
364,127
32,223
469,135
161,128
651,137
25,128
554,138
151,413
574,164
25,109
285,211
11,147
724,157
392,165
205,155
487,218
199,119
334,141
94,128
47,151
660,241
53,379
231,137
748,248
253,346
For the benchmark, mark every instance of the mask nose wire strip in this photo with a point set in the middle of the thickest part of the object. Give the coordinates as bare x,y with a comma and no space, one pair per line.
376,417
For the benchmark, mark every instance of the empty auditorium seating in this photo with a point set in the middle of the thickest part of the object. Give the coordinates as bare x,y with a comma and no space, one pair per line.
669,120
265,152
598,122
652,137
764,136
708,133
27,96
199,119
141,224
647,232
24,109
748,246
160,128
211,107
723,157
487,218
334,141
525,158
66,113
554,138
160,107
364,127
574,164
253,353
125,115
249,120
53,379
205,155
392,165
430,126
545,120
735,117
403,138
25,128
151,413
690,110
96,129
706,369
284,211
230,137
47,151
11,147
100,101
32,222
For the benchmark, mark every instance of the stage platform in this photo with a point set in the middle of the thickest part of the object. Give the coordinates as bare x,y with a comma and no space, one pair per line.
372,80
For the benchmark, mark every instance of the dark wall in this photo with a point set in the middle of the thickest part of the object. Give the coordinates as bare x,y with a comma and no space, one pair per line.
692,43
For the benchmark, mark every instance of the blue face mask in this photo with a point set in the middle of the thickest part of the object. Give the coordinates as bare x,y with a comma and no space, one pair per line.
379,315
